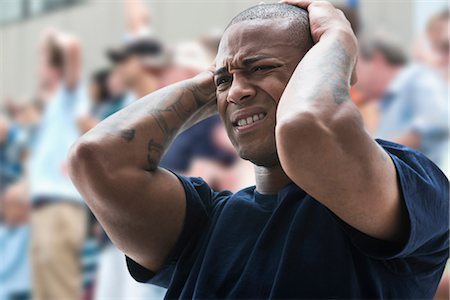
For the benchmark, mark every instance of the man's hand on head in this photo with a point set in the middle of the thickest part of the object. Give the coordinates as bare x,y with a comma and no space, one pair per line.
327,21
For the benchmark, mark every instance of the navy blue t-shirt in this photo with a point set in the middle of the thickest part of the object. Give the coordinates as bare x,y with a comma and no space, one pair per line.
248,245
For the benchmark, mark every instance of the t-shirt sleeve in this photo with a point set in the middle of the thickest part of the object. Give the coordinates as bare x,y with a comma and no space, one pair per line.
200,202
424,190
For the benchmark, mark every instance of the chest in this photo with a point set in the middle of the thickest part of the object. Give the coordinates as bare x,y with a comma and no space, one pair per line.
247,245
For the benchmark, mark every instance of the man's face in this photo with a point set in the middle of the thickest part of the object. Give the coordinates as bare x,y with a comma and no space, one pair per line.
253,66
438,35
130,70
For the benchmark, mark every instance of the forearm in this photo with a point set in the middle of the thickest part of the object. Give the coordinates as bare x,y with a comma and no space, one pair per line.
140,133
320,84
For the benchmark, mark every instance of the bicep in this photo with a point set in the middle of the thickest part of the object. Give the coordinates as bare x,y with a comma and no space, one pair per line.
341,166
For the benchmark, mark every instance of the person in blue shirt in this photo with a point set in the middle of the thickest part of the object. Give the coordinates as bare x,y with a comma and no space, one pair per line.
412,98
58,216
15,279
334,213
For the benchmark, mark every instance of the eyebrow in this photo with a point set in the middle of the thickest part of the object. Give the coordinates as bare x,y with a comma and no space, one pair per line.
220,71
252,59
246,62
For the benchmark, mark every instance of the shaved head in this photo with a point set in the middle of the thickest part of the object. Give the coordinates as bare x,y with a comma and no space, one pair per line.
298,30
257,55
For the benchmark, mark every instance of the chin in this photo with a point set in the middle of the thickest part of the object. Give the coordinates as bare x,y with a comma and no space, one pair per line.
260,158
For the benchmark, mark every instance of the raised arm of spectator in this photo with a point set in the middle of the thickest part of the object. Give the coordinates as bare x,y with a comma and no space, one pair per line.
71,48
115,168
137,16
321,141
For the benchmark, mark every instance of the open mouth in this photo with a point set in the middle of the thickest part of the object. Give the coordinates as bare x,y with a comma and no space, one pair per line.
248,121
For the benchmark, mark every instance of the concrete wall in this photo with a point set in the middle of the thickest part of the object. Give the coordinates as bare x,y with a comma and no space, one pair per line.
100,24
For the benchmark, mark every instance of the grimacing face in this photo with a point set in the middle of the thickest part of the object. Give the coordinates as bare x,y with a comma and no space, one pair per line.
254,63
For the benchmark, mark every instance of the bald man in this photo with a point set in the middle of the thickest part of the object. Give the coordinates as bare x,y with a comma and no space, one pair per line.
334,214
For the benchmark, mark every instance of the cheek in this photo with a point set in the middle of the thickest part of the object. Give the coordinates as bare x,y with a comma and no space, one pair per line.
274,87
221,104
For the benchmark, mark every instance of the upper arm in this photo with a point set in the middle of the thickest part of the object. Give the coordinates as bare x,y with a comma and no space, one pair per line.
335,160
142,212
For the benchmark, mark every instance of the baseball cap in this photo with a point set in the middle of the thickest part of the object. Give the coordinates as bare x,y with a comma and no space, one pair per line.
150,49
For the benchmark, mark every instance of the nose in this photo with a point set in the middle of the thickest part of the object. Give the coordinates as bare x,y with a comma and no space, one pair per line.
240,90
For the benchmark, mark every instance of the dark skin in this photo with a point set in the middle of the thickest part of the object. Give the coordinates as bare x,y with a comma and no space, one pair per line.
309,133
251,75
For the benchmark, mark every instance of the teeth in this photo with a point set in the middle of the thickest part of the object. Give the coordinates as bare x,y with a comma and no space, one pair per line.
250,120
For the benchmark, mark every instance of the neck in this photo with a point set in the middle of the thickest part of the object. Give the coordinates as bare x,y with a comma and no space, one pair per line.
145,85
270,180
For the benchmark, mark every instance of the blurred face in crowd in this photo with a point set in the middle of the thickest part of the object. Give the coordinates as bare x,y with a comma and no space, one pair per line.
15,205
253,66
130,69
115,83
438,34
373,76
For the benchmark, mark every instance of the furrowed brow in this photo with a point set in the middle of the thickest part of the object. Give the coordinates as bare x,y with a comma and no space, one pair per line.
220,71
252,59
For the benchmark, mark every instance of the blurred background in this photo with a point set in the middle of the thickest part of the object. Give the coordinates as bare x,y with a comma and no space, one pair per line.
65,65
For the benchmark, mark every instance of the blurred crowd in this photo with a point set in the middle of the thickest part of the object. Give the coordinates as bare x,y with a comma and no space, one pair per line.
51,245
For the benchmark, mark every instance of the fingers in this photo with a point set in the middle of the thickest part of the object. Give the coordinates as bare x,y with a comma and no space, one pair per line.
300,3
305,4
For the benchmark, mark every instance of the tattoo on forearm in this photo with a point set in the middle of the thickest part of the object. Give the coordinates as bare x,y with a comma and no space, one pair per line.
154,153
128,134
339,77
170,118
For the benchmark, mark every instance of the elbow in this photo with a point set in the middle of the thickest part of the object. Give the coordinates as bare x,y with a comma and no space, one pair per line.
302,126
82,157
309,128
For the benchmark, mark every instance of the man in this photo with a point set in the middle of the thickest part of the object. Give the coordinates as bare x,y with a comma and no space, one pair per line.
140,62
413,100
13,150
434,49
334,214
14,240
58,217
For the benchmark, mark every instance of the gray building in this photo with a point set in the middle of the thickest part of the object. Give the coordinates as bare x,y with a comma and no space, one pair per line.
101,23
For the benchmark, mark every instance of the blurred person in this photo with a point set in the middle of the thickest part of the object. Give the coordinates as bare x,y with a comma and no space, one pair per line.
412,99
140,63
360,218
13,149
58,215
196,151
434,48
26,117
15,282
107,94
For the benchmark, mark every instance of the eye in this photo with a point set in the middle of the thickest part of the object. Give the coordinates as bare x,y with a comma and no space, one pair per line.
262,68
222,80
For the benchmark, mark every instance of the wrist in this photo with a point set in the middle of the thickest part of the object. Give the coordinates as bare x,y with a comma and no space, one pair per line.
203,87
